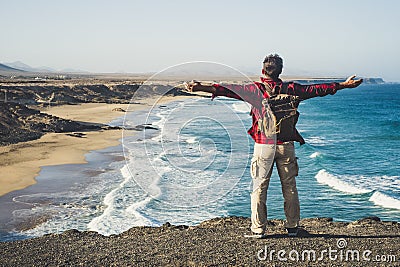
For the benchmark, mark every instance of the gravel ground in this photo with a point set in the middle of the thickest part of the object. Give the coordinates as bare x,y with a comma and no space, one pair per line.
217,242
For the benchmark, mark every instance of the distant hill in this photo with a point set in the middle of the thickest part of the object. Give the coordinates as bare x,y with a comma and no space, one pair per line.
25,67
22,66
8,69
19,65
69,70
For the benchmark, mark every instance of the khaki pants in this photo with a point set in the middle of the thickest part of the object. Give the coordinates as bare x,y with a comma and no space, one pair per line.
261,169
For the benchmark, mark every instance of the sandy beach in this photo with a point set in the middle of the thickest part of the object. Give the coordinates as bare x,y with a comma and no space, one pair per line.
20,163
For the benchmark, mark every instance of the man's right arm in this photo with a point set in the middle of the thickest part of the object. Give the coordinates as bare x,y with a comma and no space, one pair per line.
249,93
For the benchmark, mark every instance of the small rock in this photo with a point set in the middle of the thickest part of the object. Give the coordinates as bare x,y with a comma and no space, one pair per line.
119,109
370,219
167,224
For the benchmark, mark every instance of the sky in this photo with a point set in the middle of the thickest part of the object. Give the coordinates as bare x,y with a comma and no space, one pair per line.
316,37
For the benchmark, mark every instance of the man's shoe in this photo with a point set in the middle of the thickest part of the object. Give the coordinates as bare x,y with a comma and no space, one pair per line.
256,236
292,232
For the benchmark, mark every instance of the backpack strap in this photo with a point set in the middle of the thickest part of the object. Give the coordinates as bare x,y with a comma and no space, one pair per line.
269,90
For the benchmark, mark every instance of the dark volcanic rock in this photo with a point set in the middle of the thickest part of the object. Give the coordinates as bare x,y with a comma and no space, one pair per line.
217,242
82,93
19,123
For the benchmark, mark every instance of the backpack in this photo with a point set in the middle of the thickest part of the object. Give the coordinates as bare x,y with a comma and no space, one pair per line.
281,116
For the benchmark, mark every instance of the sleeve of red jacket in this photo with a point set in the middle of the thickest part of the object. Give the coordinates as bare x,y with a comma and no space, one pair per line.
307,91
250,93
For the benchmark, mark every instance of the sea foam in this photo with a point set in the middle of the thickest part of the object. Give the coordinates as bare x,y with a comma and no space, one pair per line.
335,182
121,204
315,155
241,107
385,201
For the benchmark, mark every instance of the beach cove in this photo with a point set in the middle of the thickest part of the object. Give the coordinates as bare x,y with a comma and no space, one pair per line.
81,129
21,162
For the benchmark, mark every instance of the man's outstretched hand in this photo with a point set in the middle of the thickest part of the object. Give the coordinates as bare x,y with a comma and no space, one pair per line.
195,86
350,82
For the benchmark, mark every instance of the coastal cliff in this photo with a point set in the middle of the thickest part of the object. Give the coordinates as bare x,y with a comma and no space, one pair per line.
220,241
52,93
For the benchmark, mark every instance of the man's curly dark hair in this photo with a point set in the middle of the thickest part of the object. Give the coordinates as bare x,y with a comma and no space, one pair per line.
273,65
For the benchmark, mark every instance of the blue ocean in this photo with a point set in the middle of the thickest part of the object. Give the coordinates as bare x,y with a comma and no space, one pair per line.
191,161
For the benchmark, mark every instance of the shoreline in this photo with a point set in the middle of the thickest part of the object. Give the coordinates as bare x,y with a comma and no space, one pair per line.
21,163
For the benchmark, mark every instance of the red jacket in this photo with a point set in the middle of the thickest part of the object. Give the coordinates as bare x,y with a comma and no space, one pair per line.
254,93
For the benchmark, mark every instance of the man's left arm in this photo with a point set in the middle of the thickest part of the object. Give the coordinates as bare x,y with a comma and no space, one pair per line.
314,90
